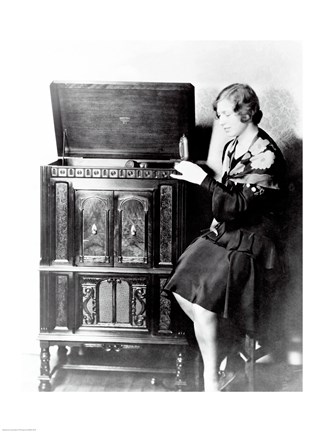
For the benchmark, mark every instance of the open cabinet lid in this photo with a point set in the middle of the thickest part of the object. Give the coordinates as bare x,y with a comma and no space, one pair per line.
122,119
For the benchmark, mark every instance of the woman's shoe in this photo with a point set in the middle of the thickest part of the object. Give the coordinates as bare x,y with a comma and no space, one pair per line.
235,363
224,379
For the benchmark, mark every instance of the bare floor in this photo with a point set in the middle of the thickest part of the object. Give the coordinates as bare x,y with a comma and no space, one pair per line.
269,377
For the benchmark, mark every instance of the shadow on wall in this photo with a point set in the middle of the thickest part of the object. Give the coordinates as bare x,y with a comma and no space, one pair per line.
281,117
280,120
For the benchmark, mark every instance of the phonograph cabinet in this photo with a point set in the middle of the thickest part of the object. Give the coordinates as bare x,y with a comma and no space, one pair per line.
112,226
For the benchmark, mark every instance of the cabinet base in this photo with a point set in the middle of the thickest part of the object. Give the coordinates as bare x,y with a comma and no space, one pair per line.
159,361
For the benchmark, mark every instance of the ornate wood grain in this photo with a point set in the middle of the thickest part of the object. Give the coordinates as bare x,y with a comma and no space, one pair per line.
166,222
93,211
165,309
61,300
61,221
134,229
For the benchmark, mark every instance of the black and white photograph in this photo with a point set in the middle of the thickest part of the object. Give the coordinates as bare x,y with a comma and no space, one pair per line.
159,195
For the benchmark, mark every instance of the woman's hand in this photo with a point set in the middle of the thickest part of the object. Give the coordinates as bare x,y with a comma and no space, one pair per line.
189,172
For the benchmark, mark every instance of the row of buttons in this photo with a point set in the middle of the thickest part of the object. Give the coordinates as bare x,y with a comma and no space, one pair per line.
110,173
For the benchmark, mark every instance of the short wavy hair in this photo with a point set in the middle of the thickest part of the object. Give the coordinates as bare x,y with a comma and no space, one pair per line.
245,102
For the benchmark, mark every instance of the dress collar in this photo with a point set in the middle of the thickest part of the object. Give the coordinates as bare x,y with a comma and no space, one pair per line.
243,145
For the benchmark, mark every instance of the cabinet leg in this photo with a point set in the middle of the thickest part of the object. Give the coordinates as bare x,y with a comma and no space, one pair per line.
180,378
45,384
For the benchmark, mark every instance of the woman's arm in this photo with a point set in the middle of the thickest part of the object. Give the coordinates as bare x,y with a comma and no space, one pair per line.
189,172
229,203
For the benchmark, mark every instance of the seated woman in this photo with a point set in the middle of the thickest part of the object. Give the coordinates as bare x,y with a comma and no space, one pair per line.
225,274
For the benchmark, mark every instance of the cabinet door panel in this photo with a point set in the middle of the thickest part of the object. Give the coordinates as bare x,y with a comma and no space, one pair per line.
94,210
133,238
57,301
60,220
114,302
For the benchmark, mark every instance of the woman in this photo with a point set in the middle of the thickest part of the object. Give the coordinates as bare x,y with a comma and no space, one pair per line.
225,275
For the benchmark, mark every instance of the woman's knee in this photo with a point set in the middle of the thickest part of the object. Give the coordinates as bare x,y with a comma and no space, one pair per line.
203,315
185,305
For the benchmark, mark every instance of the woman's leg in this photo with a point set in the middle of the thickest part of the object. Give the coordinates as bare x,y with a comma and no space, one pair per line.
185,305
206,329
205,326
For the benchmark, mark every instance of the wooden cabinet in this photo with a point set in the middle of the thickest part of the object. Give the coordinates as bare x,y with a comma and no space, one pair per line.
113,228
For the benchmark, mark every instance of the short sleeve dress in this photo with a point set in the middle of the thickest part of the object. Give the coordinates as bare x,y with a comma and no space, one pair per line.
233,269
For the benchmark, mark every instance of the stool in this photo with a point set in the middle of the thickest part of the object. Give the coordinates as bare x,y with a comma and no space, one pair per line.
249,357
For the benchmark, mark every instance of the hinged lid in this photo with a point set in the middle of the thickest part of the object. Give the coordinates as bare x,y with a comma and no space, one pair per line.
122,119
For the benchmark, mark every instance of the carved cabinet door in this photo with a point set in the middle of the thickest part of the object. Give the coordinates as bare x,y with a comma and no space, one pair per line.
94,227
113,301
133,228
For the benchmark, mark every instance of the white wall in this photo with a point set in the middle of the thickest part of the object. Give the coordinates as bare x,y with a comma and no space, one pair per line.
208,65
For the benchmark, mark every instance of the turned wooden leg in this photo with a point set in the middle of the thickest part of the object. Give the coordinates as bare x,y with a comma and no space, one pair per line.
180,378
45,384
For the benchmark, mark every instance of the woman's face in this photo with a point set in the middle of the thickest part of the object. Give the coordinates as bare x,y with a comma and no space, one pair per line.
229,120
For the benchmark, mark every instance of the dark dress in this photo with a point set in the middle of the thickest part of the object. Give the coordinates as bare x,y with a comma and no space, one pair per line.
232,271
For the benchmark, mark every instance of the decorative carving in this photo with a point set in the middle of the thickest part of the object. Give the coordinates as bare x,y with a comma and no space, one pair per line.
89,303
165,309
116,347
114,301
166,225
44,378
62,172
136,173
61,221
92,279
139,305
45,359
112,347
